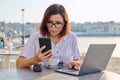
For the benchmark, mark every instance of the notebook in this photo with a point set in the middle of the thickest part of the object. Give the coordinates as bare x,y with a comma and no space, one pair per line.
96,60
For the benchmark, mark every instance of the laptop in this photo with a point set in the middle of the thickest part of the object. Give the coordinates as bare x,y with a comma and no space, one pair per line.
96,60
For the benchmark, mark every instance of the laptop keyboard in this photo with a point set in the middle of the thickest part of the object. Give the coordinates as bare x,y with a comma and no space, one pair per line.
68,70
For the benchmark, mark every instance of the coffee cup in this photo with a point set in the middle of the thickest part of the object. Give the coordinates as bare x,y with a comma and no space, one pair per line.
52,63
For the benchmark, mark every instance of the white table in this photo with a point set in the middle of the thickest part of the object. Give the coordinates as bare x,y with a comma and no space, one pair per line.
6,57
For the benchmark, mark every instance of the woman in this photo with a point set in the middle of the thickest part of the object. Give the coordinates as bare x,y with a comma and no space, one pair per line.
56,26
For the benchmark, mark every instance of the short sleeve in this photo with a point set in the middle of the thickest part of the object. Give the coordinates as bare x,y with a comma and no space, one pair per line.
30,47
76,52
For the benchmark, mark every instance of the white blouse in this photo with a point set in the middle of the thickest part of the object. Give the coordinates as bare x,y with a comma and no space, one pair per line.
66,49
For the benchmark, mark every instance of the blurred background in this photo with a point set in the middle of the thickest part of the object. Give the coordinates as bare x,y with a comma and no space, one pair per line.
93,21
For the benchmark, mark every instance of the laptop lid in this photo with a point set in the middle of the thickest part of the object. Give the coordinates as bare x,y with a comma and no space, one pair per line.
96,59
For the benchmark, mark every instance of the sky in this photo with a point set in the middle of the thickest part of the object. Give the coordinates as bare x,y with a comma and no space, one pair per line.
78,10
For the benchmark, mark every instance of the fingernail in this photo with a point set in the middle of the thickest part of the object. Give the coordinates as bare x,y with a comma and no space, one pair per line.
75,67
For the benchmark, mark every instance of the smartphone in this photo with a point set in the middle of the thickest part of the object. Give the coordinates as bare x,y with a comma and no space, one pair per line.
45,42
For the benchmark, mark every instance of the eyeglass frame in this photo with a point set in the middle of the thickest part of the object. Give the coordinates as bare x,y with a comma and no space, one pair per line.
55,24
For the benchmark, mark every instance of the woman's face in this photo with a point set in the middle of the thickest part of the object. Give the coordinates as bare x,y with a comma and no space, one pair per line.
55,25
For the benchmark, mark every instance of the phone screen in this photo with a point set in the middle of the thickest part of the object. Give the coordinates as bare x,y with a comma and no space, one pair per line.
45,42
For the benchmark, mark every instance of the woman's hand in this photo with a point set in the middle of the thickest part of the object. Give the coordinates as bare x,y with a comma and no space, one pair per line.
74,64
41,57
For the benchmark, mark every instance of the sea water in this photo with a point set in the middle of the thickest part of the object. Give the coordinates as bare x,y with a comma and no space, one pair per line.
84,42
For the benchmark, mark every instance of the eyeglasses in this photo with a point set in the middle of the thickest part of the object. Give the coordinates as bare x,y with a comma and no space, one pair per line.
56,24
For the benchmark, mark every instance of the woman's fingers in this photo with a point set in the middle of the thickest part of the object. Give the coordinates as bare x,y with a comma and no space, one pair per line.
41,49
74,64
39,57
45,56
48,52
77,65
69,65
